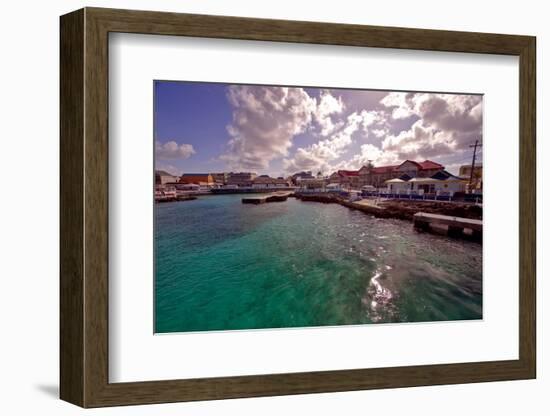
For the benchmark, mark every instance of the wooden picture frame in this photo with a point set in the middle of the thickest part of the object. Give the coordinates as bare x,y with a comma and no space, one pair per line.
84,207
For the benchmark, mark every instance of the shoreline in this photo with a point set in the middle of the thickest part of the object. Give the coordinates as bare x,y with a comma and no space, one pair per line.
404,210
399,209
445,221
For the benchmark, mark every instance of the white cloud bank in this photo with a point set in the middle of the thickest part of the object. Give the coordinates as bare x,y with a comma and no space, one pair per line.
320,155
265,120
447,124
397,126
172,150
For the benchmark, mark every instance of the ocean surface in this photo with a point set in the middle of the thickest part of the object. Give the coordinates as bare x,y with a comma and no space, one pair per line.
224,265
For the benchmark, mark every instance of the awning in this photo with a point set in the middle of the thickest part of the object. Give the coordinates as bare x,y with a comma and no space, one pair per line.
424,180
396,180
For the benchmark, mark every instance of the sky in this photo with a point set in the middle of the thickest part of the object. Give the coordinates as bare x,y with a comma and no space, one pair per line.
278,130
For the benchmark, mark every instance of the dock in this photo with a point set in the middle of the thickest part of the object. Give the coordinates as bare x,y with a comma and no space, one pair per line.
262,199
454,226
174,198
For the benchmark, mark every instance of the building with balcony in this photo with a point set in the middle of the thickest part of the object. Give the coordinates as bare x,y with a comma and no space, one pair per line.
378,175
241,179
220,178
347,179
265,181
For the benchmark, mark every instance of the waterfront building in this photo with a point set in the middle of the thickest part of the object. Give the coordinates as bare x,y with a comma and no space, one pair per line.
419,169
162,177
440,183
203,179
368,188
265,181
298,177
348,179
333,187
241,179
164,192
313,184
188,187
377,176
397,185
220,178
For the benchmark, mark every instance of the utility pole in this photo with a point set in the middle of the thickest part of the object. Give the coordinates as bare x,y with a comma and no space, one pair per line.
475,146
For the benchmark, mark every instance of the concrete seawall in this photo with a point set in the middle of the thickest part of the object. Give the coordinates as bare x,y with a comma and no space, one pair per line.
368,209
274,197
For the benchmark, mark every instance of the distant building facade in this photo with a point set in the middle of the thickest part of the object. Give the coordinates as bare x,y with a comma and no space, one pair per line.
220,178
162,177
264,181
313,184
376,176
346,178
419,169
203,179
442,183
241,179
297,177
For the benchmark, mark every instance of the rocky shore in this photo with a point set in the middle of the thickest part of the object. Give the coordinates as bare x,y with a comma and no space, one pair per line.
400,209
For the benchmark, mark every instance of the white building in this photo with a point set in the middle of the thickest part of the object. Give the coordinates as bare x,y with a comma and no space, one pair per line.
162,177
396,186
333,187
442,183
264,181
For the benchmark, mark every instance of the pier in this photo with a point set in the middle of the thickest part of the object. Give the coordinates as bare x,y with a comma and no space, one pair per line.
262,199
173,198
454,226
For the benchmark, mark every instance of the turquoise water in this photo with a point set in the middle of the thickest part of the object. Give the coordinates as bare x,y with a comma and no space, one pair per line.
224,265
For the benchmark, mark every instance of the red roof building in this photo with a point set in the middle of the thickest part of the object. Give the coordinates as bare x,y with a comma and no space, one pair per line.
383,169
346,178
348,172
428,164
377,175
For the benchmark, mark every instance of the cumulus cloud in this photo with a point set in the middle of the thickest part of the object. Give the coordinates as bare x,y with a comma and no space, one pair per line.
421,142
368,153
327,107
375,124
378,132
171,169
399,103
394,127
446,124
319,156
173,150
265,120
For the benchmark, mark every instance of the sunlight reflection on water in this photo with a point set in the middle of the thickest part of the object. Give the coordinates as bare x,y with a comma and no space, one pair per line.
222,265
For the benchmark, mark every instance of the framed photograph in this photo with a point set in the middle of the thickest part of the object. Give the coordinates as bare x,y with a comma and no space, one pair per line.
256,207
